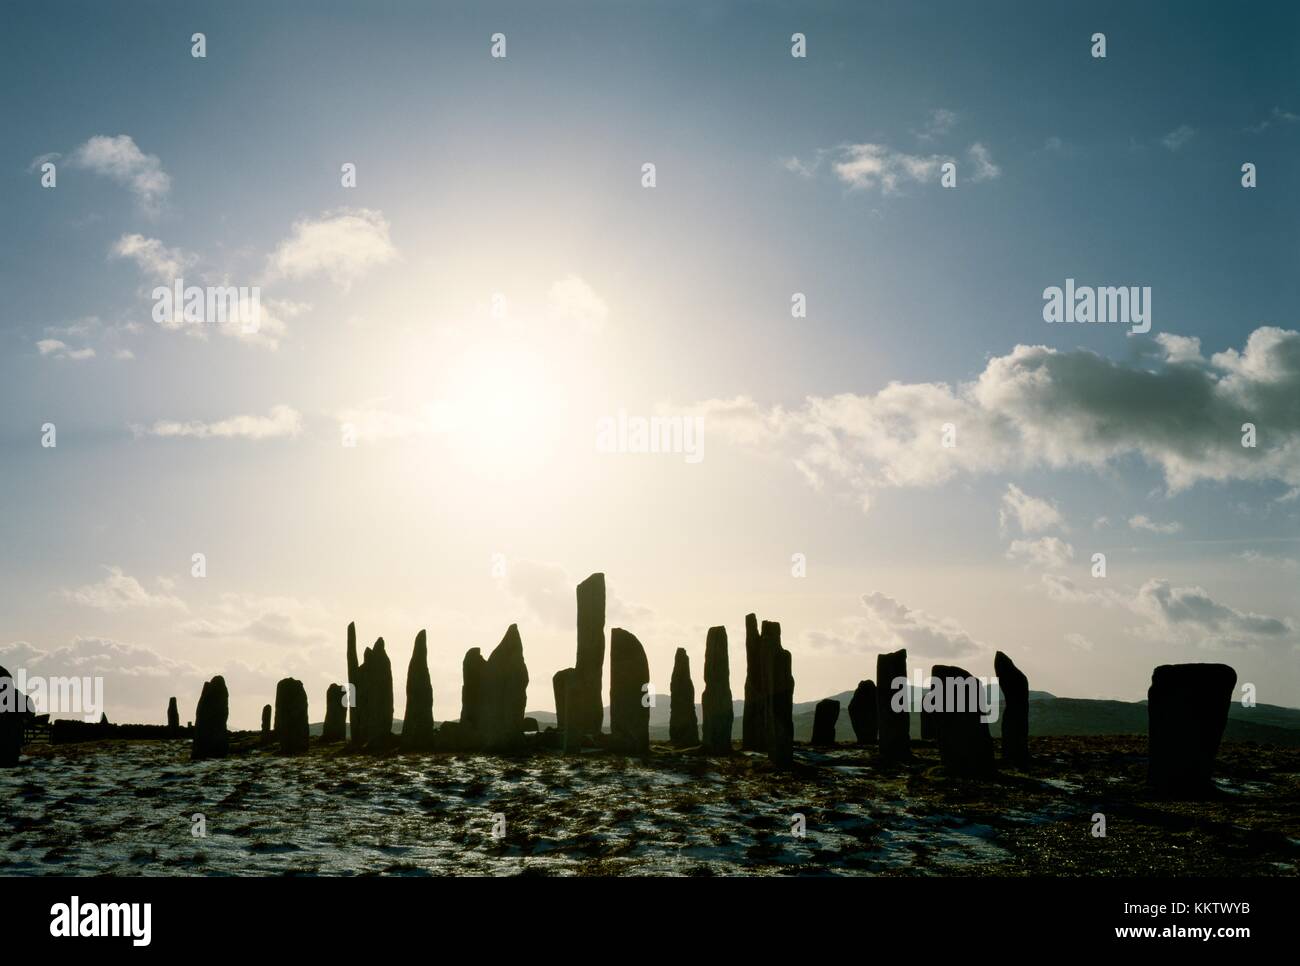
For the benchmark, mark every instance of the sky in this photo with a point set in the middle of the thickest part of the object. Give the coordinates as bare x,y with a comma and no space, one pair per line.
414,435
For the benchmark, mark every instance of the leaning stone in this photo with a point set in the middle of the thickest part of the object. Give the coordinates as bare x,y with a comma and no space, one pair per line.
629,672
1187,710
862,713
825,715
683,724
719,713
1014,686
210,737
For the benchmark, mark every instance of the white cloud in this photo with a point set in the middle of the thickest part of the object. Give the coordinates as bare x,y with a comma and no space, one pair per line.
61,350
889,624
869,166
939,123
1030,513
1140,521
343,244
1178,137
119,591
573,300
283,621
1046,552
1267,560
120,159
982,162
154,259
1191,615
1079,642
282,421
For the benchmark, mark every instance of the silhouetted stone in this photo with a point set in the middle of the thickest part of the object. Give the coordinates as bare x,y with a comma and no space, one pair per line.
753,722
356,718
929,717
965,745
336,715
267,734
417,721
586,712
893,725
629,672
173,715
862,713
1187,709
473,669
210,737
1014,686
377,685
505,692
825,715
562,683
779,706
13,706
683,725
531,726
719,714
291,727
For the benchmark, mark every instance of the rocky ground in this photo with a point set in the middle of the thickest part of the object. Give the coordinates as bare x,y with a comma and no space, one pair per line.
128,807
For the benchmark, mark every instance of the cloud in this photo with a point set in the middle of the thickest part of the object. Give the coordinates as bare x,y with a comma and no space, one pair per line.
342,244
888,625
1276,117
1268,560
1177,139
1079,642
119,591
121,160
1045,552
1141,521
573,300
1190,614
868,166
939,123
282,421
60,350
982,162
154,259
1030,513
282,621
1039,407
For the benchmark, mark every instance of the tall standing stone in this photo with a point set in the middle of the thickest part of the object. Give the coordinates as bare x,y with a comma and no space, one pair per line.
862,713
377,679
894,726
210,737
965,745
1014,686
267,733
779,706
336,715
173,716
562,682
753,723
358,733
683,724
473,669
629,672
719,713
505,693
825,715
1187,710
291,726
13,706
587,713
417,721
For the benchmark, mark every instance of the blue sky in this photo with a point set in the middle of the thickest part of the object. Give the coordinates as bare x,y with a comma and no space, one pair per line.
522,177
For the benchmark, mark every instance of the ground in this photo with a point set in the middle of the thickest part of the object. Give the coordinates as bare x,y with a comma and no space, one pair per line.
130,807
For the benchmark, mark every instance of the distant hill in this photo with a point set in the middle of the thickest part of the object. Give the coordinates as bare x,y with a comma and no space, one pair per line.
1048,716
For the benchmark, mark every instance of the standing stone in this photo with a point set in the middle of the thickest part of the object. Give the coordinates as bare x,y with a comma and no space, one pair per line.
377,682
1187,710
894,726
267,734
779,706
965,745
862,713
417,721
562,682
587,713
173,716
753,724
505,692
210,738
13,707
336,715
719,714
473,669
825,715
1014,686
358,733
629,715
683,725
291,727
929,716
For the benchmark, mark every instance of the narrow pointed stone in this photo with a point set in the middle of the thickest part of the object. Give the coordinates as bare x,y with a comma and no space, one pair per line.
291,720
417,721
862,713
1014,686
629,673
586,714
267,734
893,719
779,706
336,714
719,713
825,715
210,737
358,732
683,724
753,723
173,715
505,693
